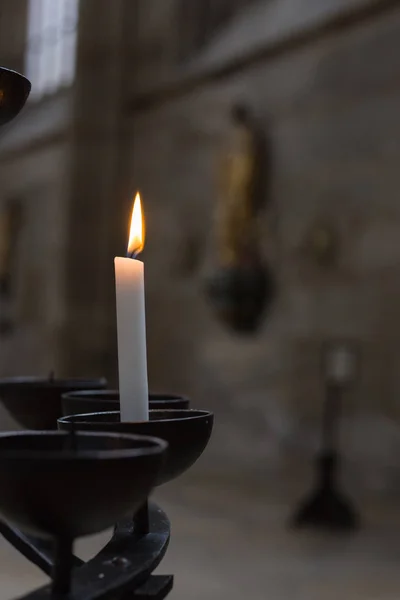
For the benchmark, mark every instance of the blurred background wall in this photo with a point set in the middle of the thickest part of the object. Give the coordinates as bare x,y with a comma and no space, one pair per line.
136,95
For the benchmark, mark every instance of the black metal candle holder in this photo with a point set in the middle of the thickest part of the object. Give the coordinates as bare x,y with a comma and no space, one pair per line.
327,507
35,402
90,401
62,486
139,542
14,92
187,433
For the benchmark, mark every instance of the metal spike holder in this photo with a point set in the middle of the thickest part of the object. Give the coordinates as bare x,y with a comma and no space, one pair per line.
56,486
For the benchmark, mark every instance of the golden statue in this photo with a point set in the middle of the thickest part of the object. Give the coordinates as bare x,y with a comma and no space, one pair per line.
238,176
242,285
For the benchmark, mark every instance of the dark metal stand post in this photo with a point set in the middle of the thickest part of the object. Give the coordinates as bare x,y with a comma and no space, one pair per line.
62,570
141,521
326,507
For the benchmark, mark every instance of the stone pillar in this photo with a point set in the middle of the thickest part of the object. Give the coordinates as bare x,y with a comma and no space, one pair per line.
13,15
96,198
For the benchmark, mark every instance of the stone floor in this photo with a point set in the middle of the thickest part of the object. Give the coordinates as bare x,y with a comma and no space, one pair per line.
229,544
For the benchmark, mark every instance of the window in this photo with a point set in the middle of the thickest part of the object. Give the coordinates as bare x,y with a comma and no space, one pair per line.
51,44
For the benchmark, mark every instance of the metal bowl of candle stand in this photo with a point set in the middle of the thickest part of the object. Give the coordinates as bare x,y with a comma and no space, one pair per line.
88,401
35,403
14,91
186,431
49,487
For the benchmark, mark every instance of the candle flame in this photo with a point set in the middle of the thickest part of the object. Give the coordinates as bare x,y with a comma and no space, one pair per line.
136,234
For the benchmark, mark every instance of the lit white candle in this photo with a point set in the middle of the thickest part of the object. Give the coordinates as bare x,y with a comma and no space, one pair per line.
131,325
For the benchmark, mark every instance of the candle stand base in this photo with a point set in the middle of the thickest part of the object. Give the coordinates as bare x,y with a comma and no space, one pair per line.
59,487
326,507
63,470
122,569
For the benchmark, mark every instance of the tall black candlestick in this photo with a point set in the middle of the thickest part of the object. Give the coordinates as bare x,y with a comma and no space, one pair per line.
326,506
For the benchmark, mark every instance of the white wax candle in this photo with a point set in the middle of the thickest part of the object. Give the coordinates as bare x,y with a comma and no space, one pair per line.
131,329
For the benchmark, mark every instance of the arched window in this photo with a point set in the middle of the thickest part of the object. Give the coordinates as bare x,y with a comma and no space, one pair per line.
51,44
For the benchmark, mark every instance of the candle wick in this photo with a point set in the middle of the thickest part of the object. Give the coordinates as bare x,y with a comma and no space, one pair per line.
132,255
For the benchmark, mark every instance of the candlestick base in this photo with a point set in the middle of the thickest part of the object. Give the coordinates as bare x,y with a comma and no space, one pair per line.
123,568
326,507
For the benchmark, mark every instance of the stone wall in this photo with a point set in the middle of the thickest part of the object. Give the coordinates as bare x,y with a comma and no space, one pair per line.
33,167
330,106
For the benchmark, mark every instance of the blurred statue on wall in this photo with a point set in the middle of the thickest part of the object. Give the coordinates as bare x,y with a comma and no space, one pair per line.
242,286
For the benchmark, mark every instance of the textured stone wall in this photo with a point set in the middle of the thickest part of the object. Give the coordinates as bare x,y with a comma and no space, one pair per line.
37,305
330,107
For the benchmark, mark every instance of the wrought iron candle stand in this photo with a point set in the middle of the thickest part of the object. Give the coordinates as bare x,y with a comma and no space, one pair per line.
124,567
326,506
78,489
62,485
